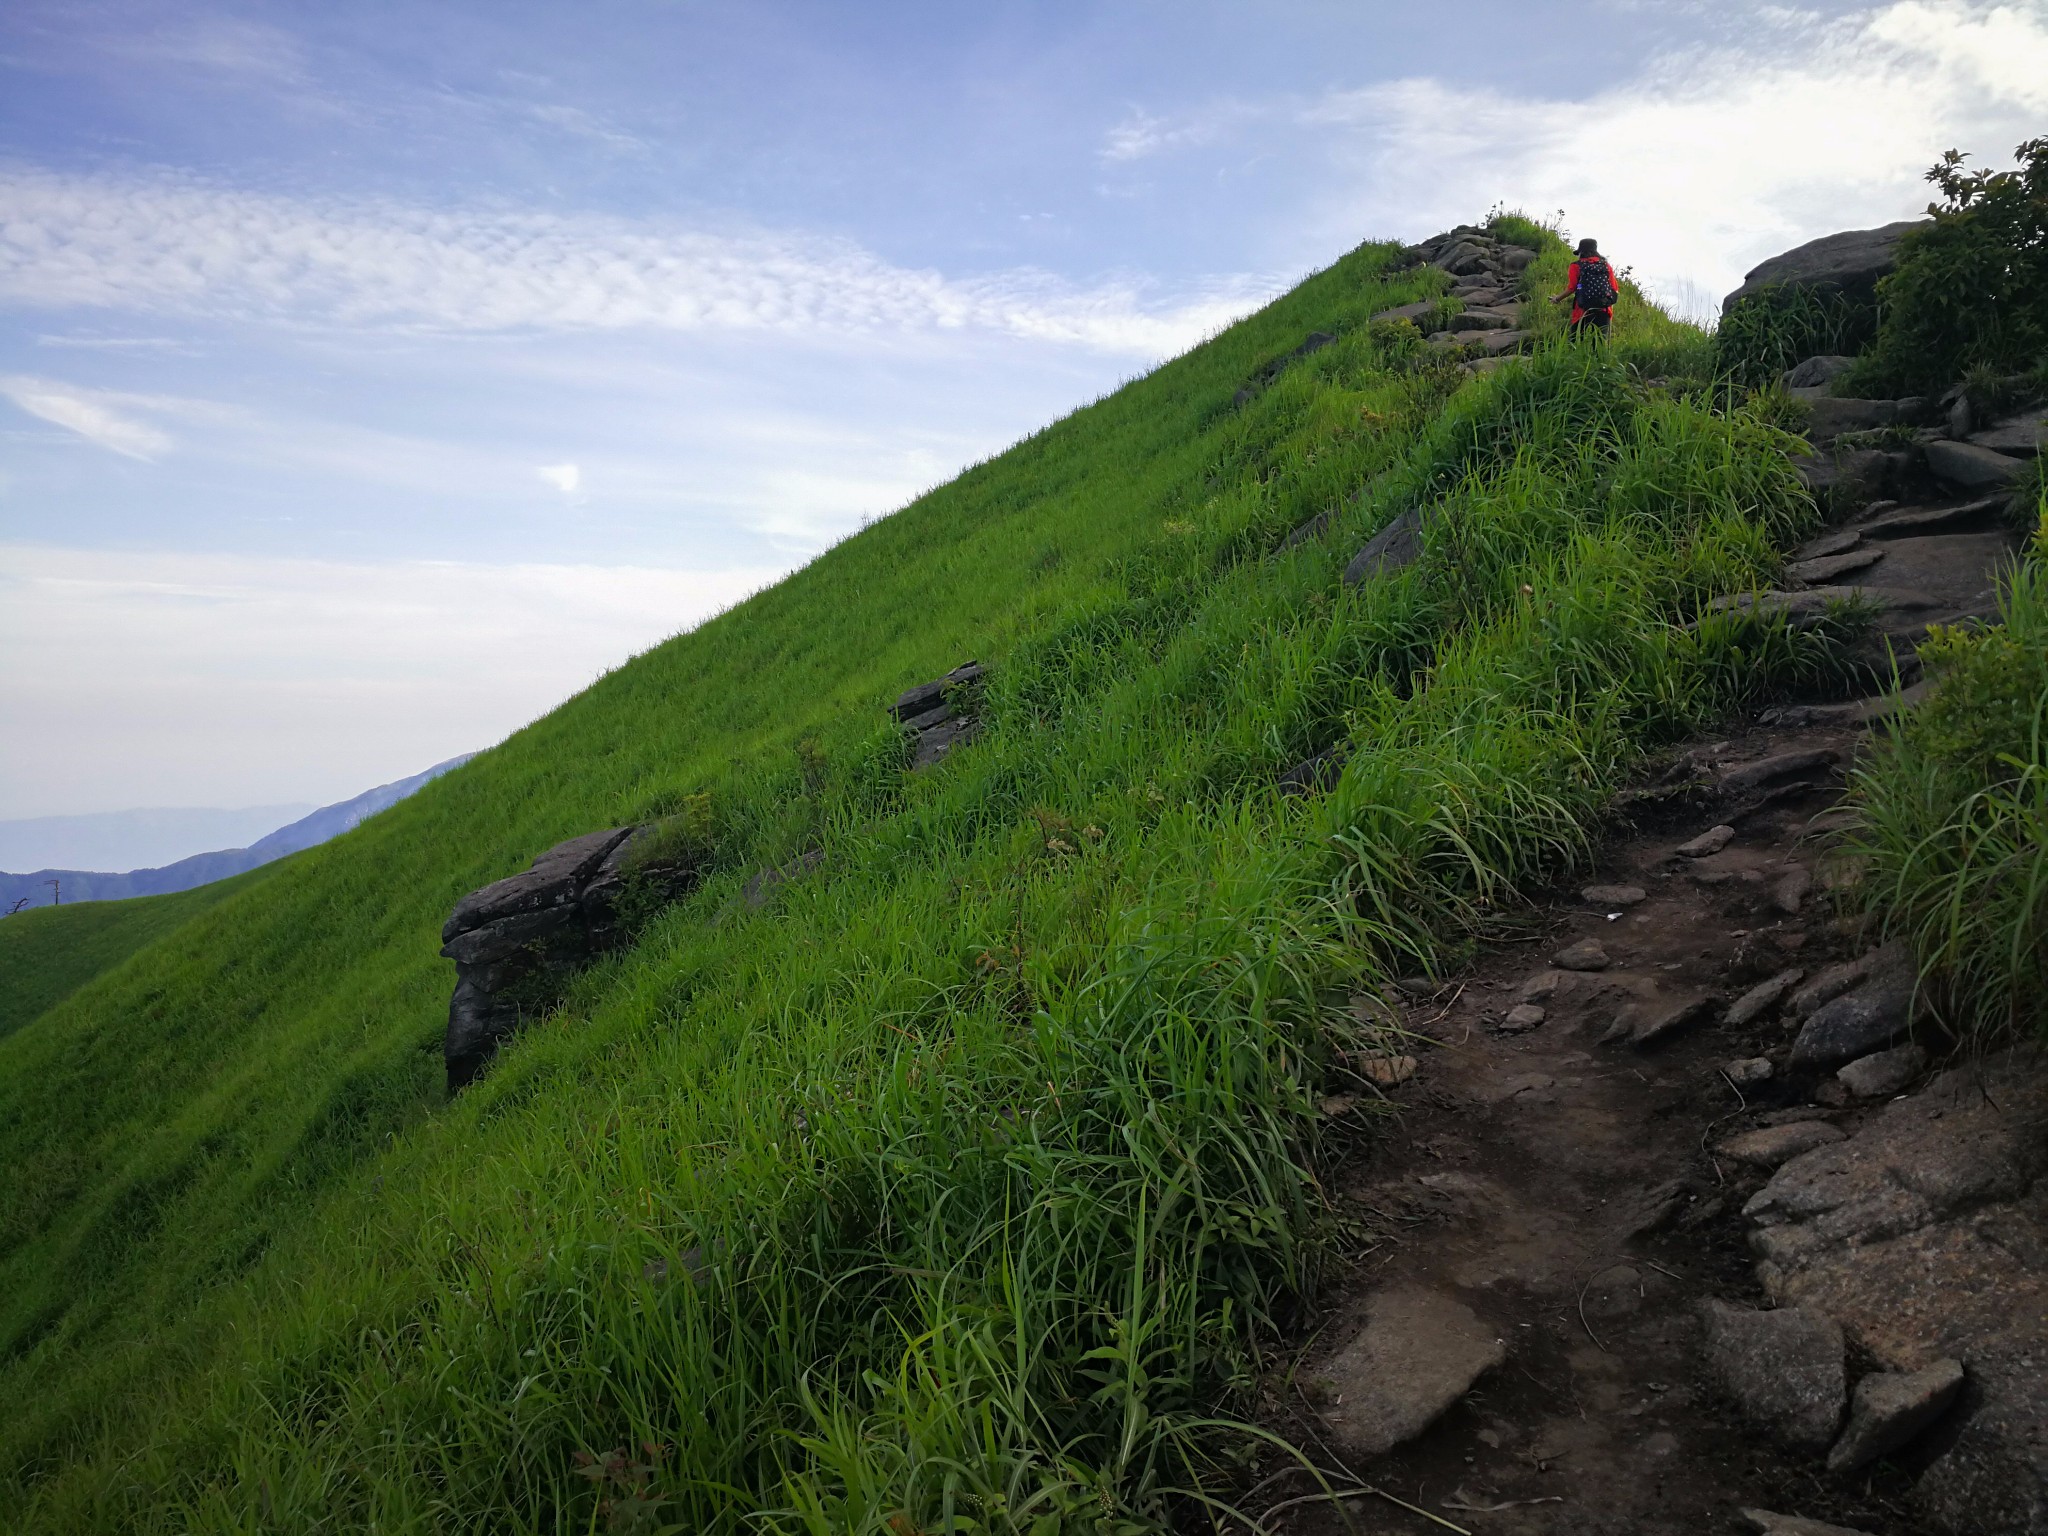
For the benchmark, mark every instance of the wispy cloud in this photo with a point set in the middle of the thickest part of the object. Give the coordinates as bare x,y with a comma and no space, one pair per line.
176,246
1141,134
587,125
565,478
92,415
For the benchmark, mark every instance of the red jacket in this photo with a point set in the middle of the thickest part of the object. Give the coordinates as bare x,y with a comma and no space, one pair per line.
1571,283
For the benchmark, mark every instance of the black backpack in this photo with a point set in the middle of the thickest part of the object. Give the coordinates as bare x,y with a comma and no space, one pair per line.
1596,284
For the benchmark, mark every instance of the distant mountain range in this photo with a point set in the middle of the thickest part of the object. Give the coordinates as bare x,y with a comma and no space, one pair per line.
204,868
137,839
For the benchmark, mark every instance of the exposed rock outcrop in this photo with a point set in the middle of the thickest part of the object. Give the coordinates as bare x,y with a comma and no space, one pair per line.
1850,262
938,715
515,940
1920,1235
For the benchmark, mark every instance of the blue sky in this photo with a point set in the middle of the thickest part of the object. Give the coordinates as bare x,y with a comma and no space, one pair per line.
374,375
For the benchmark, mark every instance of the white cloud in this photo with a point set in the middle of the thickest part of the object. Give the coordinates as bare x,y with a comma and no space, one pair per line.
175,246
1141,135
242,679
1694,167
88,413
565,478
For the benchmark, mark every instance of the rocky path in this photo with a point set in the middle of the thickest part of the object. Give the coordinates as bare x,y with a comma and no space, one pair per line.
1677,1231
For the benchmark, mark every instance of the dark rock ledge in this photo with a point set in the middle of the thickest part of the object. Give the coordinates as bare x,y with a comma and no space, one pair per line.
515,941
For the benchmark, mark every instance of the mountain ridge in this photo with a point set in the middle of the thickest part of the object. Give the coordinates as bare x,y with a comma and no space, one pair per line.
309,831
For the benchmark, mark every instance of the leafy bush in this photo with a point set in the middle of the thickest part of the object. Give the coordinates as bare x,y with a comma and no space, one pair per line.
1955,816
1971,289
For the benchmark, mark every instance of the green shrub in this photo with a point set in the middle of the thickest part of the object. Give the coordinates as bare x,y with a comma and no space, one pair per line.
1782,325
1955,817
1971,289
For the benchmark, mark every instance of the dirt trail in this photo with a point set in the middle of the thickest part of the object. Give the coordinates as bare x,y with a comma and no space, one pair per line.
1550,1208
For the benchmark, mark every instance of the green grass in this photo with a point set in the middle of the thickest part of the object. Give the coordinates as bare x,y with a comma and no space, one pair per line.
47,953
1954,817
968,1180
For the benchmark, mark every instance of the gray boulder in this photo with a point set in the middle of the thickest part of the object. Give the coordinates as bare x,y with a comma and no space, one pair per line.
1884,1073
1973,466
1816,371
1828,417
1393,548
1890,1408
1783,1368
1707,844
555,879
1850,262
916,707
1829,983
1866,1018
939,715
1585,955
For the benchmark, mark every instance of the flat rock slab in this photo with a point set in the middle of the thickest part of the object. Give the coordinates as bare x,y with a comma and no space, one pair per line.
1967,464
1784,1369
1777,1144
1613,896
1418,1353
1708,843
1767,1522
1828,568
1522,1018
1763,997
1745,777
2021,437
1841,541
1890,1408
1414,313
1918,522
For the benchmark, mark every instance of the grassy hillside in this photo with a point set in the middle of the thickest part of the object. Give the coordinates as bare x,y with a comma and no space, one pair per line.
47,953
966,1177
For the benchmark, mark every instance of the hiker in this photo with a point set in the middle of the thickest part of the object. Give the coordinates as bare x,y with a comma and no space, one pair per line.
1590,285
